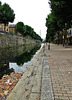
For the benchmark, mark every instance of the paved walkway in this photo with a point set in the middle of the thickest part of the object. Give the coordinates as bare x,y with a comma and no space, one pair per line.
60,62
36,81
49,76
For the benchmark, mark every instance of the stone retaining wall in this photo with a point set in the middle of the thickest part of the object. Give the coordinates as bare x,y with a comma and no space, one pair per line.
7,40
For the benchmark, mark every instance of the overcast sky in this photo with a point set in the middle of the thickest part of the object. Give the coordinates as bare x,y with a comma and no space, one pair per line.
31,12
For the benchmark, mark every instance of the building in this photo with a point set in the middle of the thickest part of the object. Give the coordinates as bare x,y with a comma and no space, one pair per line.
70,35
4,28
12,28
8,28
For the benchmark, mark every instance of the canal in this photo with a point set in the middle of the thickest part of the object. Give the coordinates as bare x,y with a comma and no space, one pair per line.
16,59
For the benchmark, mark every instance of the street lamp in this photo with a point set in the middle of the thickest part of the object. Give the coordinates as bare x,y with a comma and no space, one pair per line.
64,34
63,37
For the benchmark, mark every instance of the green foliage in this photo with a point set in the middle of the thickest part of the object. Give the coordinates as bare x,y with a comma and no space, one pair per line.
27,31
0,3
6,14
29,36
9,45
20,27
52,27
30,31
62,9
61,13
27,56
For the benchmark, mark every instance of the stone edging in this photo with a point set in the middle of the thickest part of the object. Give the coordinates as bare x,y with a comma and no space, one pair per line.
47,92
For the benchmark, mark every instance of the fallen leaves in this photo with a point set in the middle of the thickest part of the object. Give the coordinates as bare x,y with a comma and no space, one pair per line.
6,92
28,76
26,90
33,74
28,68
26,95
37,99
7,83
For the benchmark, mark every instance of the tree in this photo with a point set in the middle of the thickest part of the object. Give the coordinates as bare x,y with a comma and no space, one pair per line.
28,30
0,3
20,27
6,14
62,9
52,27
61,13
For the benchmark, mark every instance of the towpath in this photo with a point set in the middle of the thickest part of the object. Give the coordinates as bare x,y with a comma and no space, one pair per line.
49,77
60,62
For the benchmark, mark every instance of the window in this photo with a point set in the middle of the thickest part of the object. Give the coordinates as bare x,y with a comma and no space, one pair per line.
70,32
0,27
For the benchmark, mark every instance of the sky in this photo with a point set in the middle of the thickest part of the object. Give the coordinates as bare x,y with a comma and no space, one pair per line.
31,12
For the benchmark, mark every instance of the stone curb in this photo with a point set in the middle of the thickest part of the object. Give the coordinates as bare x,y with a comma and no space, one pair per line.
46,92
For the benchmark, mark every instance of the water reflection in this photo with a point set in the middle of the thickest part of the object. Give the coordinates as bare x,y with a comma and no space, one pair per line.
24,60
17,55
25,57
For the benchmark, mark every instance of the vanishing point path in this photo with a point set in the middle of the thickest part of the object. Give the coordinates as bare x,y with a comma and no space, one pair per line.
49,77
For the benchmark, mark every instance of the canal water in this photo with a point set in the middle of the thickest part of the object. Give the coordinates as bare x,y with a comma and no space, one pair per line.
16,59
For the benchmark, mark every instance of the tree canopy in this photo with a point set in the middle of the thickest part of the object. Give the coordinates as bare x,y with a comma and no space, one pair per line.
61,13
20,27
27,30
0,3
6,14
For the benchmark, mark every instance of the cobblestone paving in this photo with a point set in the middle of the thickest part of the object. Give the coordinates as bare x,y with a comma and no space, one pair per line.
60,63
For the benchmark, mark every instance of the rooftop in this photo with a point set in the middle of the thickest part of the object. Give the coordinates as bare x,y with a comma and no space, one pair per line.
11,25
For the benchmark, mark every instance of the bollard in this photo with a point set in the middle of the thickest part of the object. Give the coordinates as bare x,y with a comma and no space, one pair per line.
49,47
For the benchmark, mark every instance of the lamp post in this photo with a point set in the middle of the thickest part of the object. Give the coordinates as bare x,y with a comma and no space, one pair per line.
63,37
64,34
